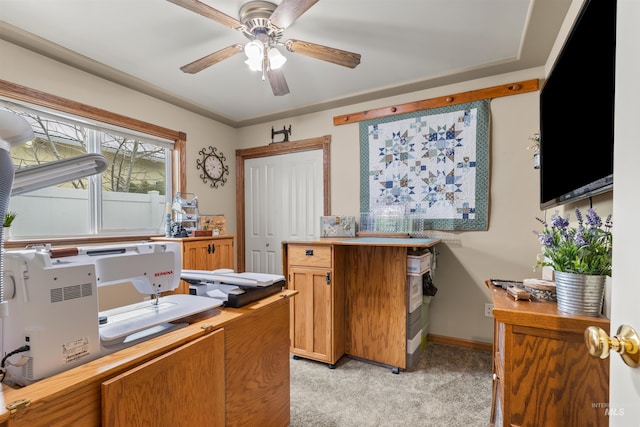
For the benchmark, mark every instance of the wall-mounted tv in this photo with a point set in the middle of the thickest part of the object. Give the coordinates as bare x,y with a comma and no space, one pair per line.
577,110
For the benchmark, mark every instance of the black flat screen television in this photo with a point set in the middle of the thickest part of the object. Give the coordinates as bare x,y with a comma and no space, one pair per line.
577,110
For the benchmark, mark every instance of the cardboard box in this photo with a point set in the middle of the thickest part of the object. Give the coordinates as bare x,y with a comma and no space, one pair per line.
418,264
337,226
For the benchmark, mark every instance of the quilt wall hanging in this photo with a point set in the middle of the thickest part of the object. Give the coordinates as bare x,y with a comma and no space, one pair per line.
434,163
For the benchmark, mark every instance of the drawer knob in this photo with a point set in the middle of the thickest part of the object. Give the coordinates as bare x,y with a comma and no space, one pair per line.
626,342
308,252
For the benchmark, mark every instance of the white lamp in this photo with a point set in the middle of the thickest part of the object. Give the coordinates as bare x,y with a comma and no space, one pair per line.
48,174
255,54
14,130
254,64
276,59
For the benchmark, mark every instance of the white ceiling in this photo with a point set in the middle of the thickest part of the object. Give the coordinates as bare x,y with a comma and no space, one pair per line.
406,45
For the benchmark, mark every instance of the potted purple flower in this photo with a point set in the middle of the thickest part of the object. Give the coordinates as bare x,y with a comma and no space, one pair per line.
581,258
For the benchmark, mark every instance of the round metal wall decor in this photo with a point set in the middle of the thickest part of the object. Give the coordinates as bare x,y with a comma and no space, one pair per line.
214,168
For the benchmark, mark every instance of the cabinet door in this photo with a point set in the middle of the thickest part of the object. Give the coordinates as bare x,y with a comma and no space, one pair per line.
222,256
311,313
257,369
554,381
208,254
182,387
376,324
198,255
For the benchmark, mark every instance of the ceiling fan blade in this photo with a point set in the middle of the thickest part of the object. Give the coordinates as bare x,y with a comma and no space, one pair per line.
211,59
209,12
330,54
290,10
277,81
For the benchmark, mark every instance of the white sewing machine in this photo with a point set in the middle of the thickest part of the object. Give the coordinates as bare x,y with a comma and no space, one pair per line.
52,304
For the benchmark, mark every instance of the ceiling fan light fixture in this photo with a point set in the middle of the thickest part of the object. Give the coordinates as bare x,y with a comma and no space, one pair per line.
254,50
263,23
255,64
276,59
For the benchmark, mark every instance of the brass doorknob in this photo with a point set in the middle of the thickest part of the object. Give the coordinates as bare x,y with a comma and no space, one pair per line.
626,342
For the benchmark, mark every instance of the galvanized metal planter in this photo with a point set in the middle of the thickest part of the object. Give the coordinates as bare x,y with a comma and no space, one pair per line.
580,293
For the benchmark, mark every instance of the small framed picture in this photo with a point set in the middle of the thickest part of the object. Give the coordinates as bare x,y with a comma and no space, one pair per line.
216,223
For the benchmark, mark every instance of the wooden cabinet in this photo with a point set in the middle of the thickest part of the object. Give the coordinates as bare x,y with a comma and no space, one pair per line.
317,312
226,369
257,370
543,373
362,310
377,304
191,383
207,254
203,253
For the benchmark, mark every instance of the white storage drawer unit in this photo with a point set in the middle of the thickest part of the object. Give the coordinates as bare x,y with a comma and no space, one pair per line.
418,263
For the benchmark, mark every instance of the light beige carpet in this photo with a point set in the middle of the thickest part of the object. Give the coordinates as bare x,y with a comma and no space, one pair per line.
449,386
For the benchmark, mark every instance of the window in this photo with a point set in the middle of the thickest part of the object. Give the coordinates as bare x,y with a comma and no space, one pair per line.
128,198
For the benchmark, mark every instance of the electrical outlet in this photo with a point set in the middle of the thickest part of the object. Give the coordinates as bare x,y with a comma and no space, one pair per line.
488,310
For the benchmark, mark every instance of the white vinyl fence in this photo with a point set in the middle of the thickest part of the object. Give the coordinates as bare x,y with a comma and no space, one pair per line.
65,212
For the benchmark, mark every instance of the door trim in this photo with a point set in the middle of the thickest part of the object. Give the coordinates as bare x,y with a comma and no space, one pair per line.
320,143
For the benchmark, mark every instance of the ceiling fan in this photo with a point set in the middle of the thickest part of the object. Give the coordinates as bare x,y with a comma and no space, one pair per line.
263,23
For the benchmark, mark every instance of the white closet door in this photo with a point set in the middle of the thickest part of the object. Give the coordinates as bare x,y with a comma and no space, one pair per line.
283,200
302,193
262,202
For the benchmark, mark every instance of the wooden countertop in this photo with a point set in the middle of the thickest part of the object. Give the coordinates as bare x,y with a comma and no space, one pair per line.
538,313
408,242
107,366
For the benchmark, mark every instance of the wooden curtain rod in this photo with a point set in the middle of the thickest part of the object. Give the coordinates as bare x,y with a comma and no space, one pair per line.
459,98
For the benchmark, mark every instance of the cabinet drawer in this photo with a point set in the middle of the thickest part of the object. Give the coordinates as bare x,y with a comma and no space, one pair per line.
310,256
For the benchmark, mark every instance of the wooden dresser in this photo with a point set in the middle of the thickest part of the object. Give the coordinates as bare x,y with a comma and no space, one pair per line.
543,374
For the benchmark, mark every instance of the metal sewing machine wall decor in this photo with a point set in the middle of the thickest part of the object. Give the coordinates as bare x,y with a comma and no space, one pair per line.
286,132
